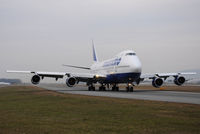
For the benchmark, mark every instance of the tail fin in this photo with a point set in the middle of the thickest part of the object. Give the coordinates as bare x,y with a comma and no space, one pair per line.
94,53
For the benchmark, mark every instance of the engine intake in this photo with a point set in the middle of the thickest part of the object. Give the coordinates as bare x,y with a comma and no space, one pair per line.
180,80
157,82
35,79
71,81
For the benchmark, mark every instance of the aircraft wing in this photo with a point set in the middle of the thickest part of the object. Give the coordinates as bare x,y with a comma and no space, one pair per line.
42,74
159,78
165,75
83,77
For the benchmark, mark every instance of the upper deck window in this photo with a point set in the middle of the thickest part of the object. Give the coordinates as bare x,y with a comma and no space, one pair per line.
130,54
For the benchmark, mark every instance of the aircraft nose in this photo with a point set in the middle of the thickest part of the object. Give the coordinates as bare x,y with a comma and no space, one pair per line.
138,68
136,65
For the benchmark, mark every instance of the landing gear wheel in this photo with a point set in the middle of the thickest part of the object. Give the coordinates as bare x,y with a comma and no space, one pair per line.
91,88
102,88
129,89
115,88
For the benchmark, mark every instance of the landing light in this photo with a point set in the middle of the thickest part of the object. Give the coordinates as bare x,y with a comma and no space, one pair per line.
97,76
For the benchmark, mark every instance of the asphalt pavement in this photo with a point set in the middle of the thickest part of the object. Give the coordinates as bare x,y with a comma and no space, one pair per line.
155,95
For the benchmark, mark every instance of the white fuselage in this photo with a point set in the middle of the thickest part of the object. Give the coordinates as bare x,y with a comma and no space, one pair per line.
125,64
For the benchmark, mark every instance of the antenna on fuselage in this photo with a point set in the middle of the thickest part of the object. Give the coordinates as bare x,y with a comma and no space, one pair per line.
95,59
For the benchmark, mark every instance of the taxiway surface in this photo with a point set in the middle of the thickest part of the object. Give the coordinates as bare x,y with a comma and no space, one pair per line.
155,95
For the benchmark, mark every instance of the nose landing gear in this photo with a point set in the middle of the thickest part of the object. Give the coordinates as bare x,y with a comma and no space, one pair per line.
129,87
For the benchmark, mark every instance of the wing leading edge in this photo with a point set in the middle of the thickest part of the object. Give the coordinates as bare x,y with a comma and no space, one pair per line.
79,77
159,78
165,75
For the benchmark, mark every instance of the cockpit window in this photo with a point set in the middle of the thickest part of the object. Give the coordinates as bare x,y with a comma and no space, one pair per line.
130,54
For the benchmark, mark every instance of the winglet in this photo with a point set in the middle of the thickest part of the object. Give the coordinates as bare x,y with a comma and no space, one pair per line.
94,53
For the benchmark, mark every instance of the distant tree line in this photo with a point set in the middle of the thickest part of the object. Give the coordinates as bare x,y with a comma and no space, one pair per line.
11,81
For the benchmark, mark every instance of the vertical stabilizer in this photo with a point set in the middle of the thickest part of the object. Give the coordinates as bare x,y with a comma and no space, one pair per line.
94,53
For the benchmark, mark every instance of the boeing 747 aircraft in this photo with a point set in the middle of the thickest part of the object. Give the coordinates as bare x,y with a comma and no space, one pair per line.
124,68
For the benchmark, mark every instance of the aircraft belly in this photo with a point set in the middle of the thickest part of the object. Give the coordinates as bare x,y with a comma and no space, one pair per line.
122,77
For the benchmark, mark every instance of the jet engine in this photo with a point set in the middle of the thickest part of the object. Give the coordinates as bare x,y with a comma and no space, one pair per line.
179,80
71,81
35,79
157,82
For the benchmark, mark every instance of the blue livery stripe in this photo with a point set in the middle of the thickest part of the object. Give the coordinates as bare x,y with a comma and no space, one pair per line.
122,77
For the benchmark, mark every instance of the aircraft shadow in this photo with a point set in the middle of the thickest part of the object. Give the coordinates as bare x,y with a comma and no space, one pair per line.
120,91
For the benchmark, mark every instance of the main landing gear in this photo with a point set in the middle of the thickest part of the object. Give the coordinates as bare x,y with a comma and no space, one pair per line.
91,88
102,88
115,88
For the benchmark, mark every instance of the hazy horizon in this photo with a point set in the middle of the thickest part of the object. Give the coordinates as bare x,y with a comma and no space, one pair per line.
43,35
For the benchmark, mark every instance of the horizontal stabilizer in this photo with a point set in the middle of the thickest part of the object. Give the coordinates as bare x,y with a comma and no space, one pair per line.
87,68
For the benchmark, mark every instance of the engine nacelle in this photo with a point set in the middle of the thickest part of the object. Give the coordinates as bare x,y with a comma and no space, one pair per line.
71,81
35,79
179,80
157,82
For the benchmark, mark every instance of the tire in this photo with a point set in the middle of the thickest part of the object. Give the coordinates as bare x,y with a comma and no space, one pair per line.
117,88
113,88
89,88
93,88
131,89
127,89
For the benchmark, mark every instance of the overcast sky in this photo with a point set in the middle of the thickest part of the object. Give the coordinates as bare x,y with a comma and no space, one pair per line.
44,34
